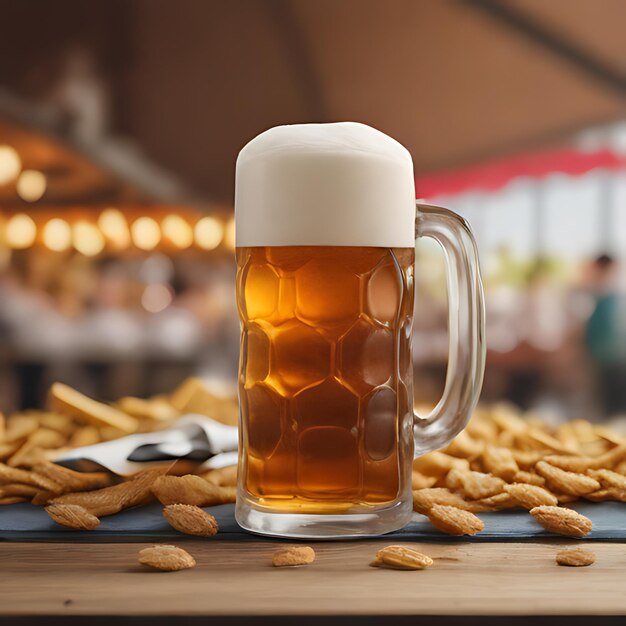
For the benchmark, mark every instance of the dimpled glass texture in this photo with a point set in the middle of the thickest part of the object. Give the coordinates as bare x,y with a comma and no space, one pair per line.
325,380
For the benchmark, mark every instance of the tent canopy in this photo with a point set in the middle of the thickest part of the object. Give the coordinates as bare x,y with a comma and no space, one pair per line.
456,81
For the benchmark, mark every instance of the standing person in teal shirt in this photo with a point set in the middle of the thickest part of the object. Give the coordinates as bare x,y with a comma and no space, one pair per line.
606,336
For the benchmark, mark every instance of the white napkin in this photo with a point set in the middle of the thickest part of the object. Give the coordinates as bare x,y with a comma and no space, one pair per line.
192,437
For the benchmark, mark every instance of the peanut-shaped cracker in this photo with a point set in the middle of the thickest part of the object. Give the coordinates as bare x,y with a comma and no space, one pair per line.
16,489
602,495
32,450
453,521
55,421
578,464
567,436
438,464
191,489
608,435
400,557
610,494
530,496
506,439
583,430
482,428
71,480
293,556
565,498
529,477
562,521
567,482
64,399
594,449
425,499
575,557
526,459
151,409
500,462
465,447
166,558
191,520
72,516
84,436
582,464
608,478
420,481
7,449
111,500
15,475
11,500
19,427
544,440
494,503
508,418
223,476
474,485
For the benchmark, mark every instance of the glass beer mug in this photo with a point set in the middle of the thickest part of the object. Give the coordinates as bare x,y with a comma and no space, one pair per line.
326,222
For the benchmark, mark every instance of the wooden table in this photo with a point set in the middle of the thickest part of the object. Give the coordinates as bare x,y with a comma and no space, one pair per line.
233,580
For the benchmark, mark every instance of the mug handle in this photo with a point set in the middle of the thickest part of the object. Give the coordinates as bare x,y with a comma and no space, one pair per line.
466,328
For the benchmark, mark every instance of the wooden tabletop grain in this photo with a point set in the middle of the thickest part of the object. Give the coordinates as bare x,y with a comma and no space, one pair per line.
236,579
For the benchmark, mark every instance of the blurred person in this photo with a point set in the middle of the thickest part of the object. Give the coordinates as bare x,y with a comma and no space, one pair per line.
209,297
546,318
110,333
605,334
81,96
37,334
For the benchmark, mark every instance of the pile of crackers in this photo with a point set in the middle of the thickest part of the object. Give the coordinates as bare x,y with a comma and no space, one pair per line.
30,440
505,459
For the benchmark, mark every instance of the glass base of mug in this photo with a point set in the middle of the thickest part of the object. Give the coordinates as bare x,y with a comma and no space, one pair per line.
352,523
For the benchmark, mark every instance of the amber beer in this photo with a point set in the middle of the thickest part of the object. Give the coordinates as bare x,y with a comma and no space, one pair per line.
326,223
325,380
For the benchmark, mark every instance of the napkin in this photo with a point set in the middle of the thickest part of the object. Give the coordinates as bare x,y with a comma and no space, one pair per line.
193,438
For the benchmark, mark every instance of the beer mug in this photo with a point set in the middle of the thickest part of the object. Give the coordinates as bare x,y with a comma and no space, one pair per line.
326,221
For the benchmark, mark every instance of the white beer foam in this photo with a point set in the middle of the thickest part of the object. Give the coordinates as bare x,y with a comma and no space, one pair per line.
341,184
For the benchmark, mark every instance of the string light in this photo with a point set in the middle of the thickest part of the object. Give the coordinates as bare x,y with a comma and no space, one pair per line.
145,233
20,231
114,226
91,238
87,239
31,185
209,233
10,164
178,231
229,237
57,235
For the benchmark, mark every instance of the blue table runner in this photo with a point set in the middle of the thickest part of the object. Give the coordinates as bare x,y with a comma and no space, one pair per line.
25,522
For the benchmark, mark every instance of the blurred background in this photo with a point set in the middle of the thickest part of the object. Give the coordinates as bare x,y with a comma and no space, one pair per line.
120,123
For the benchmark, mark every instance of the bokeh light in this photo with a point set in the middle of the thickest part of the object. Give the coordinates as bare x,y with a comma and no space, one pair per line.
145,233
229,236
31,185
157,268
87,239
209,233
10,164
57,235
114,226
20,231
178,231
156,298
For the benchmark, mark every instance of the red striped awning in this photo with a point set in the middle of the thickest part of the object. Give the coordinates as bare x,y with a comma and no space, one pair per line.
494,175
